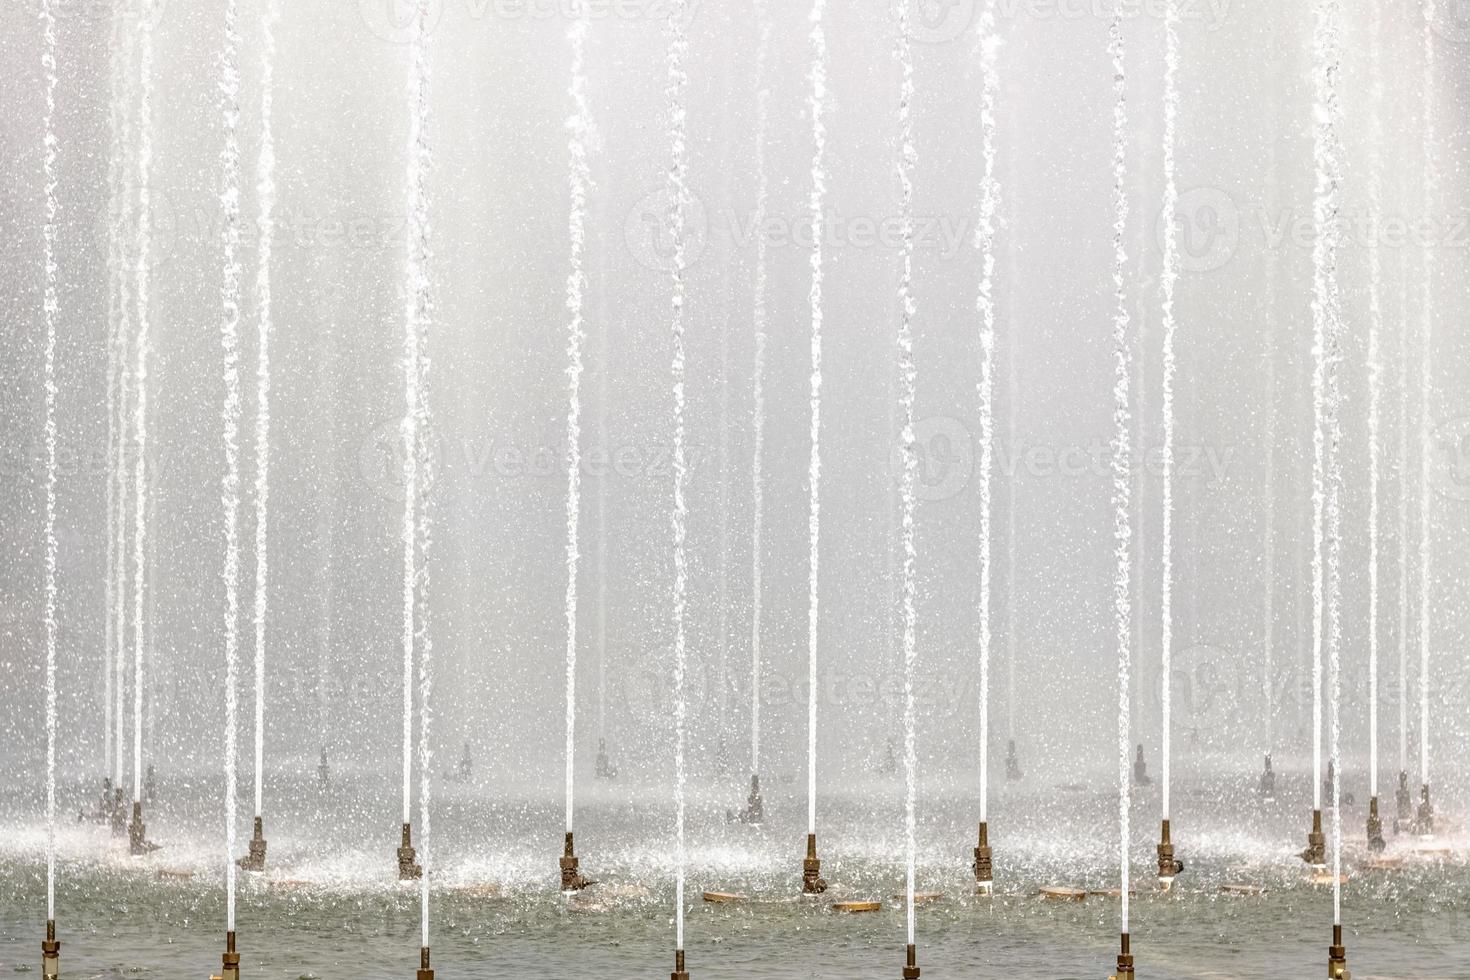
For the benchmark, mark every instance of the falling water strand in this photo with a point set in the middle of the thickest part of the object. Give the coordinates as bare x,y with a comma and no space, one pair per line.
1122,463
1405,350
1168,279
678,189
1327,327
1426,391
576,286
229,88
985,305
142,260
816,201
1375,392
266,201
758,381
907,156
50,303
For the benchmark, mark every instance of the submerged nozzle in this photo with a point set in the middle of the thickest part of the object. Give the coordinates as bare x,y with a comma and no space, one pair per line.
50,953
119,812
984,869
605,768
323,771
230,961
425,972
138,842
408,867
571,880
1268,781
755,807
1169,866
1013,765
812,882
911,963
1125,959
255,860
1405,801
1315,853
1376,843
1337,957
1424,819
679,972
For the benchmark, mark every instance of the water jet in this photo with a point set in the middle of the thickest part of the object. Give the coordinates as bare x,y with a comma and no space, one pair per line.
812,882
1315,853
50,953
255,860
984,868
754,813
605,769
323,771
1013,765
408,868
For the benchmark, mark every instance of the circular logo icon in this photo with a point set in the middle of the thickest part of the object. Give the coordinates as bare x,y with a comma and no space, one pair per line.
395,21
1449,471
649,231
118,227
1207,692
946,458
1451,20
1206,226
380,458
938,21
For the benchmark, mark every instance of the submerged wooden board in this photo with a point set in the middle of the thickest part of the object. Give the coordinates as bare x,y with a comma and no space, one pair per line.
1383,863
1325,878
174,874
920,898
1243,891
1060,894
723,898
857,906
484,889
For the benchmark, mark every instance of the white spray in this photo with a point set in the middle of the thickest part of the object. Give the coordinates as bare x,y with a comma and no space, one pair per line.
985,305
758,381
678,188
50,304
266,195
1122,463
229,87
816,201
908,377
1168,279
577,124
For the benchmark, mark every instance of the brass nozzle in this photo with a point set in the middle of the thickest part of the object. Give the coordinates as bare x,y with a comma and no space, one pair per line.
984,866
1337,957
1125,959
50,953
425,973
679,972
812,882
408,867
230,961
1376,843
911,963
1316,850
1169,866
571,880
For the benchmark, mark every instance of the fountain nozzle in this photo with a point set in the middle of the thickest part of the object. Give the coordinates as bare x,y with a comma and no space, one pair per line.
1316,850
984,868
911,963
1376,843
1125,959
230,961
679,972
119,812
408,867
812,882
1013,765
1169,866
1337,957
1140,770
323,771
255,860
1405,801
1268,782
50,953
571,881
1424,819
138,842
425,972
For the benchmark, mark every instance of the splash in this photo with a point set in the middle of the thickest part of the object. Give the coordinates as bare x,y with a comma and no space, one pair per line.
577,126
50,304
758,381
1122,464
908,377
678,175
266,195
142,260
816,201
1327,329
1168,279
229,87
985,305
